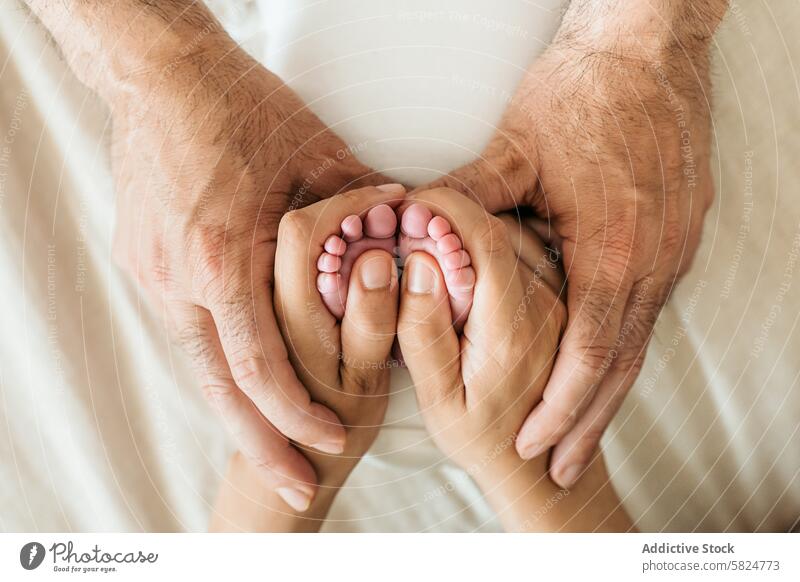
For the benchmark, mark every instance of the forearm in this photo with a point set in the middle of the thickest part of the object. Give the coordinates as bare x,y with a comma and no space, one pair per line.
526,500
649,25
110,44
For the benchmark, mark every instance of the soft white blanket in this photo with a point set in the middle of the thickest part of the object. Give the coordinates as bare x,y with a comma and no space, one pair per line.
102,428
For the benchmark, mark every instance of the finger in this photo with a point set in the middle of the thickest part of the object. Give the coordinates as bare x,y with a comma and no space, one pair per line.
595,302
370,320
574,452
531,250
498,290
254,348
283,468
308,324
427,338
503,177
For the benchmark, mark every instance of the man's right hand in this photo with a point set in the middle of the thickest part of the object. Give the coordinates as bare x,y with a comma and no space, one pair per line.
209,151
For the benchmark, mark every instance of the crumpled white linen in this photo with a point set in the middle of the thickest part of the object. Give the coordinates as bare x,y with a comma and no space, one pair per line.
105,429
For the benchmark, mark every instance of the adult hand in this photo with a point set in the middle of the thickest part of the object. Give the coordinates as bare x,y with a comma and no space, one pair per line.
209,150
205,168
476,388
343,364
608,139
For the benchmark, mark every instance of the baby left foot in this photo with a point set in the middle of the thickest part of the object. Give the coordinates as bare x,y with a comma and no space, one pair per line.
376,231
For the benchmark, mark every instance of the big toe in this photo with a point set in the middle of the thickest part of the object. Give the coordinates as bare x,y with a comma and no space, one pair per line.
415,221
380,222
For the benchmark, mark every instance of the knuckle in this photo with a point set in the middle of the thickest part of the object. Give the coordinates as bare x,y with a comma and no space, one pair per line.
235,318
361,379
674,236
295,227
216,392
630,362
264,464
595,328
415,333
207,247
249,373
193,344
591,362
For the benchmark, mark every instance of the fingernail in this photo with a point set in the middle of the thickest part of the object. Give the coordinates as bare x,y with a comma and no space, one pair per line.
570,475
296,499
532,450
421,279
330,448
391,188
376,273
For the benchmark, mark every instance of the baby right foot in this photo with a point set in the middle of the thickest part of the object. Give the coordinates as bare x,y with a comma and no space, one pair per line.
420,230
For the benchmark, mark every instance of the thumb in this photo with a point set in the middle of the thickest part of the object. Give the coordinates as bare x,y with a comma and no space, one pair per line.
425,331
370,319
505,176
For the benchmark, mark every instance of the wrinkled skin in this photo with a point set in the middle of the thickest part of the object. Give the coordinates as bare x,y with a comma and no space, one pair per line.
613,154
206,164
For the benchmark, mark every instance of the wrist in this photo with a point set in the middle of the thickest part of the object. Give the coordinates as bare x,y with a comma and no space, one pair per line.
527,500
118,47
640,30
246,503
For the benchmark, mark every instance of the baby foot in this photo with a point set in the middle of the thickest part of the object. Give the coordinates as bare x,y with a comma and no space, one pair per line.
421,231
376,231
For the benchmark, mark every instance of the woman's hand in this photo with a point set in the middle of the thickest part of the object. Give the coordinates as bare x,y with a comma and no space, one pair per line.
342,365
475,391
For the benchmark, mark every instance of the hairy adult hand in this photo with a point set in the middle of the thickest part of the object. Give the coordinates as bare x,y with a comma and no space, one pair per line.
608,139
209,151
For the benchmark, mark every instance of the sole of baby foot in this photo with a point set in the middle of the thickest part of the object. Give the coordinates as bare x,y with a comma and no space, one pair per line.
377,230
421,230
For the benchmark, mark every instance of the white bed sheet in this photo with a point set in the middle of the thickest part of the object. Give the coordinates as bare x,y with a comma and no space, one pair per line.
105,430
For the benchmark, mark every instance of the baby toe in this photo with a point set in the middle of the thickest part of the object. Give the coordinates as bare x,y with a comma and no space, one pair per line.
448,243
328,263
352,229
457,260
415,221
460,281
438,227
335,245
380,222
333,292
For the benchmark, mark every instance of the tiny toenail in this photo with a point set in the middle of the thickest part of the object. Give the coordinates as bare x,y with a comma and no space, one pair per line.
376,273
391,188
421,279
